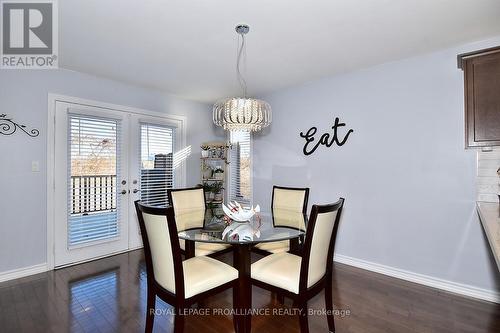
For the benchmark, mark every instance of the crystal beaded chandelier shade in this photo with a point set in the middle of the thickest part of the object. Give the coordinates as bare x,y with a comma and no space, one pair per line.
242,113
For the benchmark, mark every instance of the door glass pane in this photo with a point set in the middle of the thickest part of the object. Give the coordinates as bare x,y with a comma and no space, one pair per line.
156,164
92,185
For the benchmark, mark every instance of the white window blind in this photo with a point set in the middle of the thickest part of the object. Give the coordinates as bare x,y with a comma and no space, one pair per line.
92,184
157,146
240,180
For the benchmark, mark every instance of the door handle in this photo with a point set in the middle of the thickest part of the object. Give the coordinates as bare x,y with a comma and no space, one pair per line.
136,190
123,192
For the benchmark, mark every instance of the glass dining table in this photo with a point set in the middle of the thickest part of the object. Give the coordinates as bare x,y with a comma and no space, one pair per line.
282,225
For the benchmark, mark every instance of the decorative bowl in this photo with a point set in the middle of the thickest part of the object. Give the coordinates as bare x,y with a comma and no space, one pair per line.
237,213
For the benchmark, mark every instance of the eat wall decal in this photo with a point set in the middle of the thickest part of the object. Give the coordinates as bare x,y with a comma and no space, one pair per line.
312,144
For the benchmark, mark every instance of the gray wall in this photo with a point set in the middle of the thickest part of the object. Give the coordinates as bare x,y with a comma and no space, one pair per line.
23,95
408,182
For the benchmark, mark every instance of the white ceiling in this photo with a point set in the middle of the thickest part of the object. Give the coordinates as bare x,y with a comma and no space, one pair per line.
188,47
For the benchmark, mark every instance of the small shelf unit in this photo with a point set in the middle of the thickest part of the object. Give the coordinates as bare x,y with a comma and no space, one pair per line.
216,160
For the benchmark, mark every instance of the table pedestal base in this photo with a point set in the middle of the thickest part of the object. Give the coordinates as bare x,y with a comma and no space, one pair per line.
242,293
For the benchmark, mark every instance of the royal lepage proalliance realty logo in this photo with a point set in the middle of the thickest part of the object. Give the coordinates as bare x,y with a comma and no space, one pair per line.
29,34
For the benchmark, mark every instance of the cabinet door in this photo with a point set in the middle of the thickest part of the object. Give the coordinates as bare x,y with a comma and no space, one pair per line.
482,98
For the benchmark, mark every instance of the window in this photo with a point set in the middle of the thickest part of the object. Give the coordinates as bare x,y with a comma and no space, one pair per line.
240,166
157,145
94,168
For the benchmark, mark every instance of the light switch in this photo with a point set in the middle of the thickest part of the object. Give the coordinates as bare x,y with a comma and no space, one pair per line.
35,166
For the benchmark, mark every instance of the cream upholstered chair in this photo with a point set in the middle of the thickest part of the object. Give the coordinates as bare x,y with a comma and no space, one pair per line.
302,277
189,210
179,283
288,206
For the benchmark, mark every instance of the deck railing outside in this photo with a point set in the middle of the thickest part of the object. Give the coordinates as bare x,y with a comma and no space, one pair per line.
94,193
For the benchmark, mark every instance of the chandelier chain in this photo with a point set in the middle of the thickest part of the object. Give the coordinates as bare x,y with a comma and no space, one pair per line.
241,79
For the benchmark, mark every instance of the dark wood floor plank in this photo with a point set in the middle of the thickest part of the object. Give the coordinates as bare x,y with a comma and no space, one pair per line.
109,295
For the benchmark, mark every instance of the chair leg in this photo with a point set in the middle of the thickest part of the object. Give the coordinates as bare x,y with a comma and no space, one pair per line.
150,312
179,320
304,327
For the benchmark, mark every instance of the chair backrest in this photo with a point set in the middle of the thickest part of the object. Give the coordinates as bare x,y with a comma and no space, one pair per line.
286,202
317,259
189,207
161,247
289,219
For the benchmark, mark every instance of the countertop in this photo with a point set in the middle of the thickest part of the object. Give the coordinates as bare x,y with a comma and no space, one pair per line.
489,214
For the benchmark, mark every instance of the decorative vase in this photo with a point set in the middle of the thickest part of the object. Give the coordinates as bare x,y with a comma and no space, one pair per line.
204,153
219,175
218,197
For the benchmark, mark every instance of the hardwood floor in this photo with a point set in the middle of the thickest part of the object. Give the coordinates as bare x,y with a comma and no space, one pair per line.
109,295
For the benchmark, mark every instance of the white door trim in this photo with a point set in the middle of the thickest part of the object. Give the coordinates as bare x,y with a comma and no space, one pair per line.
51,106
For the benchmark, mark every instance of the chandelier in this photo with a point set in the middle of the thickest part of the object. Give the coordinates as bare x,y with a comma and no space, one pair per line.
242,113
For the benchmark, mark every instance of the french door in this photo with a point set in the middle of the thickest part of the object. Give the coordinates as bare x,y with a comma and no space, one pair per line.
156,165
105,159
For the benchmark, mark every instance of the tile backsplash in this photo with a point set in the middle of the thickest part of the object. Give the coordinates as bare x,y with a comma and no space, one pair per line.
487,185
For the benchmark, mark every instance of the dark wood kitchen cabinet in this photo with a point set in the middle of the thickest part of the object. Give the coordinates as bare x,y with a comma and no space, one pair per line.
482,97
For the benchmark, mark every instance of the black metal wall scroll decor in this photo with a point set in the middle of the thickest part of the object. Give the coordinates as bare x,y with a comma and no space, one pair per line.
326,139
9,127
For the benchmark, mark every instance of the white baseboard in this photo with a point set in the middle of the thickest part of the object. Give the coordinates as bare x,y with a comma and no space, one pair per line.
41,268
22,272
453,287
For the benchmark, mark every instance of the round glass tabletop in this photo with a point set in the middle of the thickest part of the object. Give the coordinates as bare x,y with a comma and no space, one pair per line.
287,225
